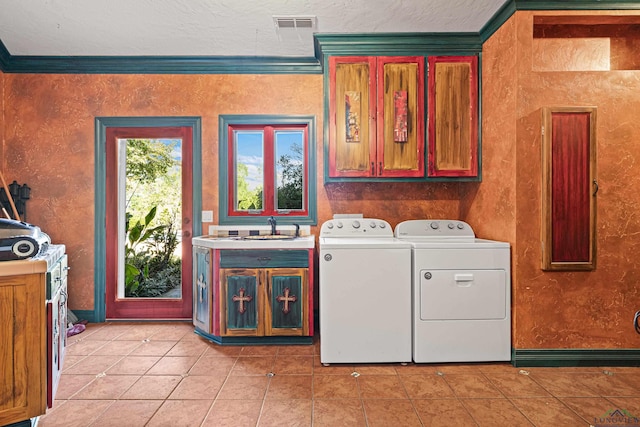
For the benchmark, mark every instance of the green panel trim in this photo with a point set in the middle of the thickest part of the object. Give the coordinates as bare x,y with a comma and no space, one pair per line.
277,340
100,137
245,287
88,315
497,20
224,121
293,317
159,64
575,357
577,5
264,258
397,44
5,57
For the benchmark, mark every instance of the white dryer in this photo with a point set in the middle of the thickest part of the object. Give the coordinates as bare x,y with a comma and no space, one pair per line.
365,292
461,290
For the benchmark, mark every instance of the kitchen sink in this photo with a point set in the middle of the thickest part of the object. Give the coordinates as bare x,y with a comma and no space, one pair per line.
269,237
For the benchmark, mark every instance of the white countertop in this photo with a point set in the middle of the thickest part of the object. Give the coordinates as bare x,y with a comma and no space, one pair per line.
304,242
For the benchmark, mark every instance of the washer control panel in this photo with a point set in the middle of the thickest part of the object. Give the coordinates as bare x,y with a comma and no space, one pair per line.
356,227
435,228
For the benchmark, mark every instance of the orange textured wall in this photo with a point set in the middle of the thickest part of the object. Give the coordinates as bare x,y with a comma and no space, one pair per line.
565,309
49,144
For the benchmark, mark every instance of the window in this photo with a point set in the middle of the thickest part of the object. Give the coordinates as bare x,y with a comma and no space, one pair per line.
267,167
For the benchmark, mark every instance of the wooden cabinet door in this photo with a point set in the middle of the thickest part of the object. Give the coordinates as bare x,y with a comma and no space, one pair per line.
286,302
23,378
352,112
202,301
453,116
569,188
400,120
241,302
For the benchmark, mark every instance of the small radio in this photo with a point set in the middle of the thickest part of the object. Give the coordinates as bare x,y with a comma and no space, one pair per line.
19,240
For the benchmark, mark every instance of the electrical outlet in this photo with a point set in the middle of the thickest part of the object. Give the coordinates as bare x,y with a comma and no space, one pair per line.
207,216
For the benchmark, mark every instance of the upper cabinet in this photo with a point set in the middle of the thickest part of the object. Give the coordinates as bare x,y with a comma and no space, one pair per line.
453,116
376,117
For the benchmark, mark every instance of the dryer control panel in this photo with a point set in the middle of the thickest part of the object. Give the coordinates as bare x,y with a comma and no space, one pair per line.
434,228
356,227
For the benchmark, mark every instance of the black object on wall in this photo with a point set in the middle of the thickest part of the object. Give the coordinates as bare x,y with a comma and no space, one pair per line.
20,195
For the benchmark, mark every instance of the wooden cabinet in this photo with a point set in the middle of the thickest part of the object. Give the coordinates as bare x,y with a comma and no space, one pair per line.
245,296
453,116
376,117
33,315
23,388
264,302
569,188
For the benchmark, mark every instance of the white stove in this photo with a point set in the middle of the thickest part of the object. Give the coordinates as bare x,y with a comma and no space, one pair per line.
461,290
365,292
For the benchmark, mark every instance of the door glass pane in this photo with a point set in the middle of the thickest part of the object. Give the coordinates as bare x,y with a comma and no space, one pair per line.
289,170
151,211
249,170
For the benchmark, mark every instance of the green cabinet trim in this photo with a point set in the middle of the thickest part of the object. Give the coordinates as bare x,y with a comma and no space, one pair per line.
263,258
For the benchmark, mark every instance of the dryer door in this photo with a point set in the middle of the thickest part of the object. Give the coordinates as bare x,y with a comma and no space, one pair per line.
463,294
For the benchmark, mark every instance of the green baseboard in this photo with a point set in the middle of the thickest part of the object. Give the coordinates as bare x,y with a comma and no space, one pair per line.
574,357
88,315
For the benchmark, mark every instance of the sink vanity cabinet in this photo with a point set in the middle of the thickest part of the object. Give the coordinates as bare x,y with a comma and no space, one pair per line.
254,291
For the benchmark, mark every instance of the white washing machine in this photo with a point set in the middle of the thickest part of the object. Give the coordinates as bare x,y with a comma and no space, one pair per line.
365,292
461,293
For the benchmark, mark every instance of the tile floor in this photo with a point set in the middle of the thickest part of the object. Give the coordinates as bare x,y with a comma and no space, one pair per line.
162,374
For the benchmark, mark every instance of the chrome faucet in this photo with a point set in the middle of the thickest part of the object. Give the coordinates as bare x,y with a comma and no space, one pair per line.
272,222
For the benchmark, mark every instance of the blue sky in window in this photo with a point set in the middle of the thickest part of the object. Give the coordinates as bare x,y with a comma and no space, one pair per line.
249,150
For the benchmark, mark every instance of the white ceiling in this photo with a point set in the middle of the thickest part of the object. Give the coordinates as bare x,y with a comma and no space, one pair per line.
217,27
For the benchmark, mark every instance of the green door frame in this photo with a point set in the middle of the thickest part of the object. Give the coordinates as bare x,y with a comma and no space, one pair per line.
101,124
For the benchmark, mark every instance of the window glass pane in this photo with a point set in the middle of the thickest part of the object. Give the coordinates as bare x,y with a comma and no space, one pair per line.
289,170
249,170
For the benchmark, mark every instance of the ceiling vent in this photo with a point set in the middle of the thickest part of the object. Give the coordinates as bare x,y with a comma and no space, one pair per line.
294,27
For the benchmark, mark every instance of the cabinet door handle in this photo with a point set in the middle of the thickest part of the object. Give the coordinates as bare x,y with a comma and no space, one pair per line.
596,188
373,168
379,168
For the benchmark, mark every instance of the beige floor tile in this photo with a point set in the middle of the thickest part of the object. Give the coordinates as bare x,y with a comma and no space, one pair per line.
133,365
335,387
244,387
74,413
547,411
472,385
180,413
106,387
381,387
233,413
495,412
426,386
152,387
286,413
443,413
390,412
172,365
290,387
128,413
293,365
338,413
198,387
